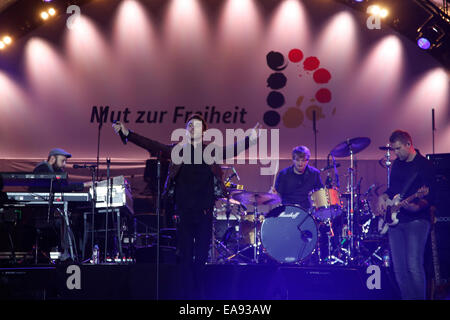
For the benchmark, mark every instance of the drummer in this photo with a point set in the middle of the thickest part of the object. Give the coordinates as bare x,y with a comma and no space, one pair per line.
295,182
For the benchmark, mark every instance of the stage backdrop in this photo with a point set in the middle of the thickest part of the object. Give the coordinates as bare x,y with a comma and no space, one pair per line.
238,62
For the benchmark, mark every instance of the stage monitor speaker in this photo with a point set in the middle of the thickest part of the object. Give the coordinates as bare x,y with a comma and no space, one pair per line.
332,283
441,163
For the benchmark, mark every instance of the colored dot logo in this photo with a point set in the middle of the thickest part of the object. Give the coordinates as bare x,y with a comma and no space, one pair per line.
294,117
275,81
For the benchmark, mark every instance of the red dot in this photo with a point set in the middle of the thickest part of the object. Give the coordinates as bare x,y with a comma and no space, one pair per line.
295,55
323,95
311,63
322,76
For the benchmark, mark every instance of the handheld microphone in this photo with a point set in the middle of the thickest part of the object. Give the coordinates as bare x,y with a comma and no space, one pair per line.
122,136
235,173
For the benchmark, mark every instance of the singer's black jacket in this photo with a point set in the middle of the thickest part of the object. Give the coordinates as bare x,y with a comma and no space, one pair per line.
164,151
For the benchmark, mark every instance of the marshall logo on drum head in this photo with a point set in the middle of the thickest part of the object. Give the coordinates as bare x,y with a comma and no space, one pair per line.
292,215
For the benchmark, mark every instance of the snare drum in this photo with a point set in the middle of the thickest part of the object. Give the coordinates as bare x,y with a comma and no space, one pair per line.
289,234
325,203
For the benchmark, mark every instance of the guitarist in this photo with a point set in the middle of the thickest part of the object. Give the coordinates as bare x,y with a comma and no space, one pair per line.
407,239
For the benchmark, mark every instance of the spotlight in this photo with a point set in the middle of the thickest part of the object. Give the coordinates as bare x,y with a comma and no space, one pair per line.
51,11
44,15
2,45
375,10
423,43
7,40
429,37
378,11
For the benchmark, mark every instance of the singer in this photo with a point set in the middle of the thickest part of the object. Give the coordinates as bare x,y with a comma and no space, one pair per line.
294,183
192,188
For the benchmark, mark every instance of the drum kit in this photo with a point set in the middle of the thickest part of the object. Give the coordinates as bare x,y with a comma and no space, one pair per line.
338,228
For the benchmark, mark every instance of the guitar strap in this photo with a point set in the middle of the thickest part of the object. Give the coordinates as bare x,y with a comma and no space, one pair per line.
408,184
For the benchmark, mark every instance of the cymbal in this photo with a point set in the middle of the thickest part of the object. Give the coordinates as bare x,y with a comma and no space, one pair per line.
232,201
256,198
354,145
385,148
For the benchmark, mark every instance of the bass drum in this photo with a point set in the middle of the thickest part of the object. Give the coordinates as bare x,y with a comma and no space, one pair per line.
289,234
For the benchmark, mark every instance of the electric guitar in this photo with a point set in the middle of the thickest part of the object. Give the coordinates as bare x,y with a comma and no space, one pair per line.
393,207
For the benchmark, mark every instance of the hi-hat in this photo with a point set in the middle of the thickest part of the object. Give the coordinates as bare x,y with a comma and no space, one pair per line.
355,145
256,198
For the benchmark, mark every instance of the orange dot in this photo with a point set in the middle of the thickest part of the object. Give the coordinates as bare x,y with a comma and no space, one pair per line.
293,118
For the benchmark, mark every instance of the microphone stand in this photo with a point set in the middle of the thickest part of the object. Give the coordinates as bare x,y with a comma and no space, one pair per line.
315,138
388,165
158,198
335,172
50,205
328,182
93,201
227,211
433,128
50,200
108,161
351,209
100,125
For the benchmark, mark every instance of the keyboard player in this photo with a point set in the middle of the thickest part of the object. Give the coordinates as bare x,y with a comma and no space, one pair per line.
55,229
56,162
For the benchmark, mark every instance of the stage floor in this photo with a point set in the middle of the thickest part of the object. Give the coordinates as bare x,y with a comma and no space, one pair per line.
222,282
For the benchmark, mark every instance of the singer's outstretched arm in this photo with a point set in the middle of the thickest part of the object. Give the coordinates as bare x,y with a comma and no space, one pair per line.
154,147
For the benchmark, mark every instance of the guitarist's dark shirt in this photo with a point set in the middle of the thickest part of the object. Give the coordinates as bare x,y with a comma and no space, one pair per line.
401,173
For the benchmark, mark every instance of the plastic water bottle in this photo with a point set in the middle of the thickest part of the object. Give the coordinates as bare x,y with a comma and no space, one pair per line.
386,259
95,255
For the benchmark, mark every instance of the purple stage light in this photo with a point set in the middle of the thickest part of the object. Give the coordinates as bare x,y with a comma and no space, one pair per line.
423,43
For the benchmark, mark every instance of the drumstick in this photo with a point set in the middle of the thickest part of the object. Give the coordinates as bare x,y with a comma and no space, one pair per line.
275,175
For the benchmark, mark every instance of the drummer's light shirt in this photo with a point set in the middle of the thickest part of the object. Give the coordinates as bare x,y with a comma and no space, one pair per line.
294,188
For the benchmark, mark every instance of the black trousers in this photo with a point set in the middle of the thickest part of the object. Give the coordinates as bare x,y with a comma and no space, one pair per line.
193,242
